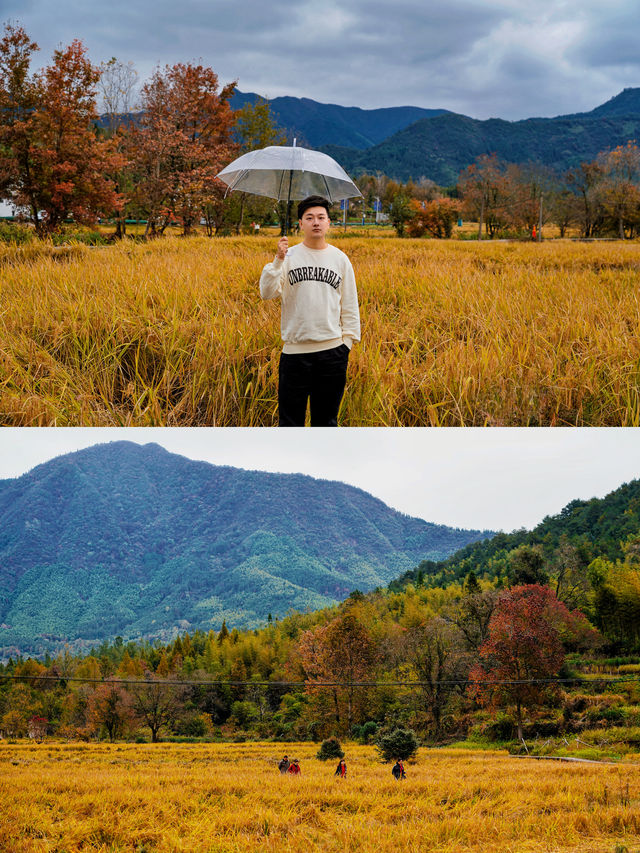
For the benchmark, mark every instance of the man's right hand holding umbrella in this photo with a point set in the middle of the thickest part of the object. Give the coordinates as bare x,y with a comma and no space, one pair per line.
283,245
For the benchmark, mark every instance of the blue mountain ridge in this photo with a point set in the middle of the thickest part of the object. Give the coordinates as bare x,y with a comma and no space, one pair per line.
131,540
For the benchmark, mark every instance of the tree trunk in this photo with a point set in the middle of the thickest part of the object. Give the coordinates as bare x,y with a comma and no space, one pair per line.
239,223
121,226
519,720
481,218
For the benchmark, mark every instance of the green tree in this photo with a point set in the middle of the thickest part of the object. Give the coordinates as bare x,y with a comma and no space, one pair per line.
256,128
397,744
435,650
400,211
527,564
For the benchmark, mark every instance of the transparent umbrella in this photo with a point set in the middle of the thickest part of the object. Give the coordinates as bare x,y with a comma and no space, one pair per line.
287,173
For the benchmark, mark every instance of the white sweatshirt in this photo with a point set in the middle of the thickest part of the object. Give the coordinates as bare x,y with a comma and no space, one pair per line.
319,298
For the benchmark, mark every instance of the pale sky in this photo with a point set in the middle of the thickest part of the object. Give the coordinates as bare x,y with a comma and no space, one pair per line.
485,58
498,479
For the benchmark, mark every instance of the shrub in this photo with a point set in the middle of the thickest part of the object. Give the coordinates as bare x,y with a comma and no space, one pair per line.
330,748
501,728
367,731
72,234
16,235
193,725
244,713
398,743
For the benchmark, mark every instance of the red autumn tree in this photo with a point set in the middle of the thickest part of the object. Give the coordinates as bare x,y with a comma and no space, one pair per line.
184,140
53,165
620,192
523,651
19,98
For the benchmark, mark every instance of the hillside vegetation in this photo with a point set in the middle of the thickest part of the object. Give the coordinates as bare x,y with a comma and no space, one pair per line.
545,653
440,148
589,553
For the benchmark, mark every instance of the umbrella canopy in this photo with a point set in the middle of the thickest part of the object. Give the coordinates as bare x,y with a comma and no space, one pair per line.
288,172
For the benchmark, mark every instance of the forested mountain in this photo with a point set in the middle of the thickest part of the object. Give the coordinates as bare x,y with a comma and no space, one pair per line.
316,124
412,142
626,103
131,540
409,142
440,148
595,528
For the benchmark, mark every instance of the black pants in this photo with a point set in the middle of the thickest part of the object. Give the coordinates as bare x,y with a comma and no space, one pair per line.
316,376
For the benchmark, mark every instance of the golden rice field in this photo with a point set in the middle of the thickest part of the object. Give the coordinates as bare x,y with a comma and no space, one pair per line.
230,799
174,333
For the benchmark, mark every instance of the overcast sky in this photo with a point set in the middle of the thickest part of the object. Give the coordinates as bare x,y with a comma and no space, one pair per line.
484,58
498,479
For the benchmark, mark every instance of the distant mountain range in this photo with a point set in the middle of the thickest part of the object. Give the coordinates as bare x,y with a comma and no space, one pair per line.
123,539
408,142
316,125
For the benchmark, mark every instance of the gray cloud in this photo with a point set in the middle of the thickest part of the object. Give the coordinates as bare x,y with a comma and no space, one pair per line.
496,58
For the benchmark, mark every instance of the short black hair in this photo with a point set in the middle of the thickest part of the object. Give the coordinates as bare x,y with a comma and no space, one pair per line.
312,201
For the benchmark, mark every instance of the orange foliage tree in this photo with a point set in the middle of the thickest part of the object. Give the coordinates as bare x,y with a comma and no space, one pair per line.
483,187
110,707
184,139
18,101
620,192
435,217
53,165
340,653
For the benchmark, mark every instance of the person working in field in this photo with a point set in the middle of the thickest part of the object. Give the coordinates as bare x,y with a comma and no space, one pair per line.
283,764
398,770
294,767
320,318
341,769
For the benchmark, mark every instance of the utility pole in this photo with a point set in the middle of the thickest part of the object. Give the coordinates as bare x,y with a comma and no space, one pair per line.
540,221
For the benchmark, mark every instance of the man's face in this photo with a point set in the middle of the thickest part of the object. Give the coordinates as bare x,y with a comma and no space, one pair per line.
315,222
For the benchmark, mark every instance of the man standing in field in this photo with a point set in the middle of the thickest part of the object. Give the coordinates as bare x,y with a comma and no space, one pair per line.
320,318
283,764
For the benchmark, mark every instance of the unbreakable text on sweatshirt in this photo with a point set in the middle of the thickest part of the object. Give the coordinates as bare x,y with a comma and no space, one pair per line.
299,274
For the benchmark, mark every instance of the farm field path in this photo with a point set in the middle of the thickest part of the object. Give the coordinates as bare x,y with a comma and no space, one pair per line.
230,798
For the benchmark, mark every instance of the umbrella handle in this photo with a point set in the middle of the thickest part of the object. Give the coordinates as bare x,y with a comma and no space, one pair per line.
288,213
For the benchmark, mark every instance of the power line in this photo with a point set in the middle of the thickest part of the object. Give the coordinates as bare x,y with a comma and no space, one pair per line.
312,684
